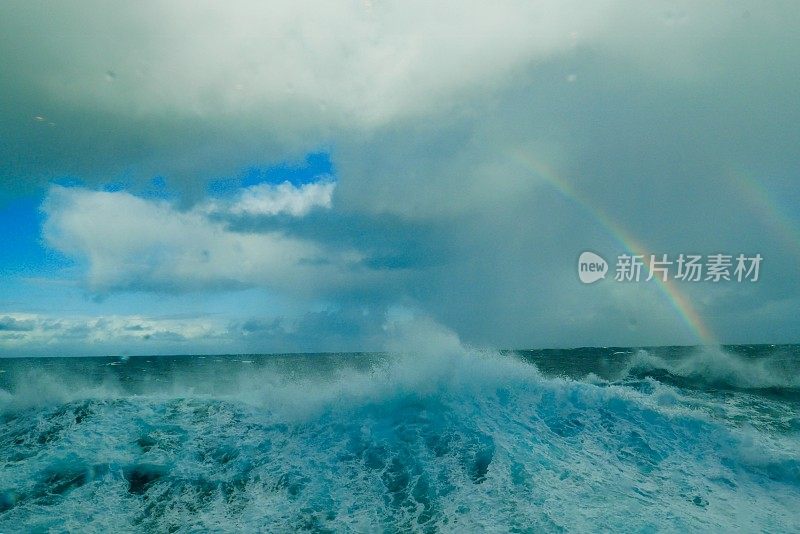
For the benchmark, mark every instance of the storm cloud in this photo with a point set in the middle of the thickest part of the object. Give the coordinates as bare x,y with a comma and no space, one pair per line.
477,150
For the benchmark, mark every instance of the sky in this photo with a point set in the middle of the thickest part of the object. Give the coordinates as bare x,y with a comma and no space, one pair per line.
200,177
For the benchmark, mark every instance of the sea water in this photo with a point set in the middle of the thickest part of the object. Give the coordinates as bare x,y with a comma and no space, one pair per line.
444,440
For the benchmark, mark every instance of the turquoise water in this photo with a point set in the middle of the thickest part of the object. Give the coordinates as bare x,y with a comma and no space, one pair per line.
670,439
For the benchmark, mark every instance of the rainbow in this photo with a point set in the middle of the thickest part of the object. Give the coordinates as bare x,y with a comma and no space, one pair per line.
770,210
668,289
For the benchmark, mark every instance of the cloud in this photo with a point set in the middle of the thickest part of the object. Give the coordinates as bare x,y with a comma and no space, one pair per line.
349,60
129,242
342,329
193,90
274,199
12,324
80,335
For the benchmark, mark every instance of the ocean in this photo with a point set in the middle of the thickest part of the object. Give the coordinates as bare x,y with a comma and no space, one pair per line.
675,439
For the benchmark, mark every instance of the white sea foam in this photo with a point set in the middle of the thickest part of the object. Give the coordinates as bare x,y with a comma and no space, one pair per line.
714,365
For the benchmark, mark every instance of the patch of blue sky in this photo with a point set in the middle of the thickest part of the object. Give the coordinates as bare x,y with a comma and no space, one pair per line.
311,169
157,189
21,249
31,270
115,187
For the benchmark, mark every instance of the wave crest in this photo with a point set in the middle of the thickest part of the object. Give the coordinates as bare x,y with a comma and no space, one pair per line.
718,367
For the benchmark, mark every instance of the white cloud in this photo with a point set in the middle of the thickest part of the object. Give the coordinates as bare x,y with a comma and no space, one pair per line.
274,199
132,243
41,329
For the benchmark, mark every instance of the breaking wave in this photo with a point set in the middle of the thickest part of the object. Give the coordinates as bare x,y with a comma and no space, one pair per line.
715,366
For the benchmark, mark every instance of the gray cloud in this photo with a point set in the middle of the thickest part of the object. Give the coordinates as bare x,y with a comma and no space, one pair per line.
194,91
11,324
